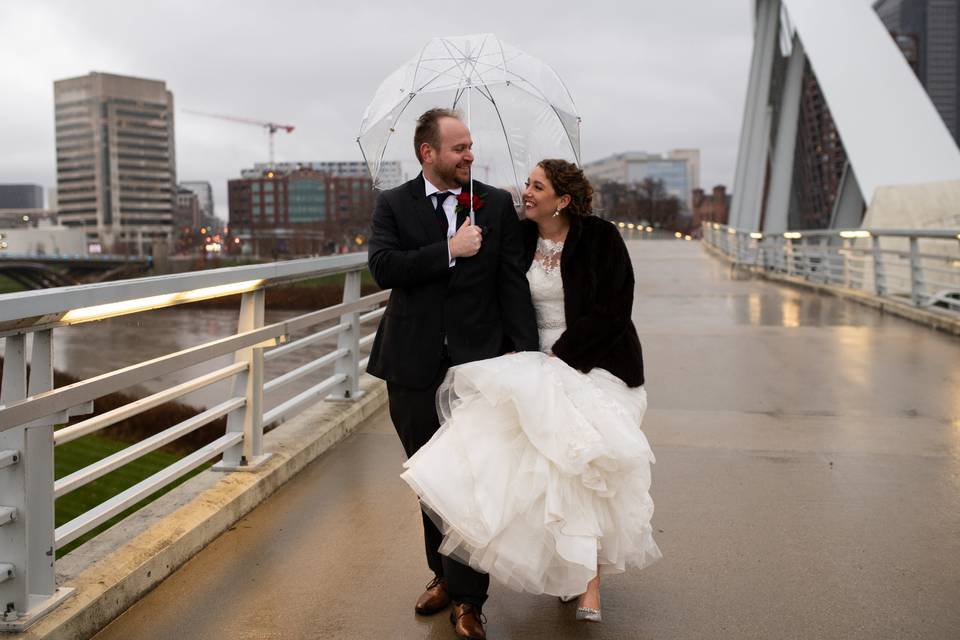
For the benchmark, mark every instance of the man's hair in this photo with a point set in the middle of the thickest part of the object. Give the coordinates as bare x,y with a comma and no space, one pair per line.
428,128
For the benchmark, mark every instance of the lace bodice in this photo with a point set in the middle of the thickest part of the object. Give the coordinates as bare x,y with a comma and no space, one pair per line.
546,290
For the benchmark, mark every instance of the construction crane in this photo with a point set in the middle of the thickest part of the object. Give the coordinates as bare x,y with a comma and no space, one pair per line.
271,127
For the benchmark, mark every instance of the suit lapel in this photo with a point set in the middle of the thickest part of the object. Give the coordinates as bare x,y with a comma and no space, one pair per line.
423,210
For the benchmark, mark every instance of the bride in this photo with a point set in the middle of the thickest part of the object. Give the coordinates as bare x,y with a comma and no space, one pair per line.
540,474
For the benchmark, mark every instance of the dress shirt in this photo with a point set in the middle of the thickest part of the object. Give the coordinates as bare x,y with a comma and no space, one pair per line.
449,208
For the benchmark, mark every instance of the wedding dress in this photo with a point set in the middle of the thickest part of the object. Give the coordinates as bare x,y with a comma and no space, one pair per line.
539,474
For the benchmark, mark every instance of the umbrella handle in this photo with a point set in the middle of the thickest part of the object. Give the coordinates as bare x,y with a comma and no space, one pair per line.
473,217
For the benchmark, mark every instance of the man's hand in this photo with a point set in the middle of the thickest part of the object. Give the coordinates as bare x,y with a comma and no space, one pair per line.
467,240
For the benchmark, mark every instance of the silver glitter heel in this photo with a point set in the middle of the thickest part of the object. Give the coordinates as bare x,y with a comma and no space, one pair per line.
590,615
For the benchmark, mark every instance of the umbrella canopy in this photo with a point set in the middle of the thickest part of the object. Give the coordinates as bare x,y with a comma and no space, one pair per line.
518,110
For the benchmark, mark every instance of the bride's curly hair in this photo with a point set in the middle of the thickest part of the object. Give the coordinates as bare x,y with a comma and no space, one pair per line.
568,179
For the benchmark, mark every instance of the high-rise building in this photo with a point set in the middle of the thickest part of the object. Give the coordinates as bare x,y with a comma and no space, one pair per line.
679,170
204,193
294,210
116,165
21,196
928,32
819,159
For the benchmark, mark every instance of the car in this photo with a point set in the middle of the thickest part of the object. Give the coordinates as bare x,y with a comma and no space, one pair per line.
946,298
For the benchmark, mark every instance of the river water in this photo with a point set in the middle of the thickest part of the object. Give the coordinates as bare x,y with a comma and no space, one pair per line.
90,349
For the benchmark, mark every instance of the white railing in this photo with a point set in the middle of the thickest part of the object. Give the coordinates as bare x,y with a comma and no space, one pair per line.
919,267
30,406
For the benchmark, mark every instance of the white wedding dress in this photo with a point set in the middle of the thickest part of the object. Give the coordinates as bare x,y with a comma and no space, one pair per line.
539,474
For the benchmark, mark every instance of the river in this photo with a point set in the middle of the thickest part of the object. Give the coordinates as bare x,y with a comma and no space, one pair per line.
90,349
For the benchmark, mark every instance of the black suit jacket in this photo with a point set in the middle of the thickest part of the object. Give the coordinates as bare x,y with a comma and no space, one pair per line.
598,288
481,305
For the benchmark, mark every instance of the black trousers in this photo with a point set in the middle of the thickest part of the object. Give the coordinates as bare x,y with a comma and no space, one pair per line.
414,416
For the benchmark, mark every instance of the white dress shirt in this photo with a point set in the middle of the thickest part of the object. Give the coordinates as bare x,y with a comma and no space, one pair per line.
449,208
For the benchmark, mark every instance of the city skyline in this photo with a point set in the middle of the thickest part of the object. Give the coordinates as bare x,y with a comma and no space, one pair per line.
645,78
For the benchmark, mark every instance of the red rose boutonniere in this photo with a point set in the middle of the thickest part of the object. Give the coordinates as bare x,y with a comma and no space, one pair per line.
463,202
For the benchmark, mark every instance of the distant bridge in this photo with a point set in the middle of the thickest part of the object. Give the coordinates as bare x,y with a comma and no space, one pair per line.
38,271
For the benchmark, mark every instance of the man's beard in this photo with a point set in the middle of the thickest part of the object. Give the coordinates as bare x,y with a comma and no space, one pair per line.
449,175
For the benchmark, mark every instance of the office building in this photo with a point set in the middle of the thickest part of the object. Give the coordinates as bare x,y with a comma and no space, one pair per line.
21,196
204,193
187,215
298,211
679,170
116,165
928,31
819,161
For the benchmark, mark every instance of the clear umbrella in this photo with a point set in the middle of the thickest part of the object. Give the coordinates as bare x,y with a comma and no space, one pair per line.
516,106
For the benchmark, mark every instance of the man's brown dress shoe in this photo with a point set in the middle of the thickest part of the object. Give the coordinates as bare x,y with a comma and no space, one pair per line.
434,599
467,621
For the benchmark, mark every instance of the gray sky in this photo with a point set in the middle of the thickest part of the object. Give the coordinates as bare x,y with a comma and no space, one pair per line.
646,75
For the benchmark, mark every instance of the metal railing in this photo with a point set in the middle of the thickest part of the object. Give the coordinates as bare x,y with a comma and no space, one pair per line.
919,267
30,406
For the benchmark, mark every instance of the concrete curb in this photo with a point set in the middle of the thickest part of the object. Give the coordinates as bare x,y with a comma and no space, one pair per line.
114,570
933,319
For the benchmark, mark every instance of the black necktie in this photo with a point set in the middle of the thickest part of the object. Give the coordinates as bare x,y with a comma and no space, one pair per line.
441,214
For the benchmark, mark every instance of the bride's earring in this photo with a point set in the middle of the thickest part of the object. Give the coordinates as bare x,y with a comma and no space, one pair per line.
557,212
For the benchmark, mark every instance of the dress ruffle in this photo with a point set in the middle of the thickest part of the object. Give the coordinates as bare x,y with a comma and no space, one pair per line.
539,473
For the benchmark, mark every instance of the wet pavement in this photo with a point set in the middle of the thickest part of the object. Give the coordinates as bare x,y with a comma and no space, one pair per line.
807,485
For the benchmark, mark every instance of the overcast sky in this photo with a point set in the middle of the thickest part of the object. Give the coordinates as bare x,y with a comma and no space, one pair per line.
646,75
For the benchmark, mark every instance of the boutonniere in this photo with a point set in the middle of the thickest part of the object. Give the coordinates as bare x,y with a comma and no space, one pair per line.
463,202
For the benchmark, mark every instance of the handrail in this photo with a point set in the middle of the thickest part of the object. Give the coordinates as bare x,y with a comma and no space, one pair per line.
917,266
30,406
44,404
48,306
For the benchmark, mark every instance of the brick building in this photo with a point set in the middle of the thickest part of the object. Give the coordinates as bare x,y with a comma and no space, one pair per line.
714,207
299,211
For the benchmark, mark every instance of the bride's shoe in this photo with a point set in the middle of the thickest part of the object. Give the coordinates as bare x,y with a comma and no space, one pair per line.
566,599
590,615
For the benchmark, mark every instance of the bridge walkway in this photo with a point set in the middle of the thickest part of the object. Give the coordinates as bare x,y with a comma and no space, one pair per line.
807,486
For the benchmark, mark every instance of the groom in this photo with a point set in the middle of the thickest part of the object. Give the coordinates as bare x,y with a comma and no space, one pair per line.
459,294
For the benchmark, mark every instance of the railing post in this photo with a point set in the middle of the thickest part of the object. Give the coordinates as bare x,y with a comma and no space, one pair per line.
806,265
879,279
826,266
847,252
27,586
247,455
916,272
349,339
